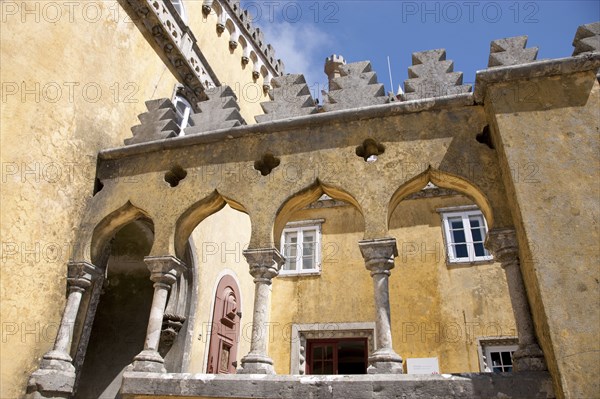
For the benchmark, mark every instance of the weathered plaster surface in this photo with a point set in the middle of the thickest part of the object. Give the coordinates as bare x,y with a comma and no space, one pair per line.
48,149
547,132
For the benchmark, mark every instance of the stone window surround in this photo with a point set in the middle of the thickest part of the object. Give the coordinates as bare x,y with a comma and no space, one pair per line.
483,342
301,332
447,240
304,223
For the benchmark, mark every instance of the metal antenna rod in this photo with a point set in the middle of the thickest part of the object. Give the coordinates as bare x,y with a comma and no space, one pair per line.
390,70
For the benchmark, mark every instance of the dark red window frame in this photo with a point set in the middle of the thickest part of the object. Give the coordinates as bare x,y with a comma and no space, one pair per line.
312,343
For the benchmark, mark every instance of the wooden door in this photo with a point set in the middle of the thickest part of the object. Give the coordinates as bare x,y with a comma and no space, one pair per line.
225,332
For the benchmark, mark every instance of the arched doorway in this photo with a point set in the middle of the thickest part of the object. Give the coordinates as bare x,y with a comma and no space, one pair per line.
121,318
225,330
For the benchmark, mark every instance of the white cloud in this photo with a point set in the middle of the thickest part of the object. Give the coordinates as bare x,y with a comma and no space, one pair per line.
301,47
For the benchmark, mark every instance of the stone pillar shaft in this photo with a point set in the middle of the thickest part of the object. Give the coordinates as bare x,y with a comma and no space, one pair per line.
519,302
379,257
164,271
64,337
260,317
56,375
159,302
264,265
503,244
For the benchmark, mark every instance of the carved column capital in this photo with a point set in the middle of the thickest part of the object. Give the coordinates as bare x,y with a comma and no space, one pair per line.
379,254
164,269
80,275
503,244
264,263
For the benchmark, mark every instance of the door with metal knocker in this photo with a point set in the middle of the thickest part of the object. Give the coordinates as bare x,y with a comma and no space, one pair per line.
225,332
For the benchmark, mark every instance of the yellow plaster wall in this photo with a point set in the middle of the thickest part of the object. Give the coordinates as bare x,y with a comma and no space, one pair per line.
547,135
436,310
48,150
439,310
219,241
227,63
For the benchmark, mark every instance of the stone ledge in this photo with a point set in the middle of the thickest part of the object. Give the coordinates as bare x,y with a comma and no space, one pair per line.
542,68
282,125
523,385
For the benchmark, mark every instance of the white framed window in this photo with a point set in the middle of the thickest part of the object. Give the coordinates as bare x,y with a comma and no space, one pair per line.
496,354
465,231
183,109
301,247
178,4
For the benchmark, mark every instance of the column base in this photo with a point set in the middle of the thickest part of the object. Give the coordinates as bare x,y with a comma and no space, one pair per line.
529,358
51,383
55,360
385,361
254,363
148,361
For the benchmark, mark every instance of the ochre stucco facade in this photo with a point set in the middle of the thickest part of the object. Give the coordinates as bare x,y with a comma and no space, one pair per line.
522,148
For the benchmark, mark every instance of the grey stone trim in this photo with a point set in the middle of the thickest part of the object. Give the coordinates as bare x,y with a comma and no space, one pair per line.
221,111
301,332
291,97
587,38
544,68
431,75
354,85
156,124
531,385
511,51
175,42
460,208
308,222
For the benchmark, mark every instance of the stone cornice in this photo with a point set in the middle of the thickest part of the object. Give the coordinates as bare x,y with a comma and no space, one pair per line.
253,36
175,42
282,125
536,69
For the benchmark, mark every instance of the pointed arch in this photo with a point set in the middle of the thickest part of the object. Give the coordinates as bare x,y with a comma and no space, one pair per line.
306,197
111,224
444,180
196,213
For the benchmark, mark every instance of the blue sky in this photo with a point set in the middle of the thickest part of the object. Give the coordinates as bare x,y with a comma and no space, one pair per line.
305,32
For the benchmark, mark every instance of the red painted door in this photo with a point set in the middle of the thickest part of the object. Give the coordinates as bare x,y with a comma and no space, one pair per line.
225,332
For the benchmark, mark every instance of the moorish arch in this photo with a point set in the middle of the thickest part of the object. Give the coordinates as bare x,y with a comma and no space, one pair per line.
195,214
444,180
110,225
306,197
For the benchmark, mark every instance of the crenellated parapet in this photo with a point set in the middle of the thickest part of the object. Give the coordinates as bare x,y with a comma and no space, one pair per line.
587,38
352,85
156,124
431,75
220,111
233,17
511,51
290,98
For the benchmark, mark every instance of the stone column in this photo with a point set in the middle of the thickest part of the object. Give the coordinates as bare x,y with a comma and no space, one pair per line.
379,257
264,265
164,270
504,246
56,374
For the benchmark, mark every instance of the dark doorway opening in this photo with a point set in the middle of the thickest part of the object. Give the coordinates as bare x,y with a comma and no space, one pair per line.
337,356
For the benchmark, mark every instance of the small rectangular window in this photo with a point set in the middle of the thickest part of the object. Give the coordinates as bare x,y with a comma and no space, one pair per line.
301,248
465,236
498,359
